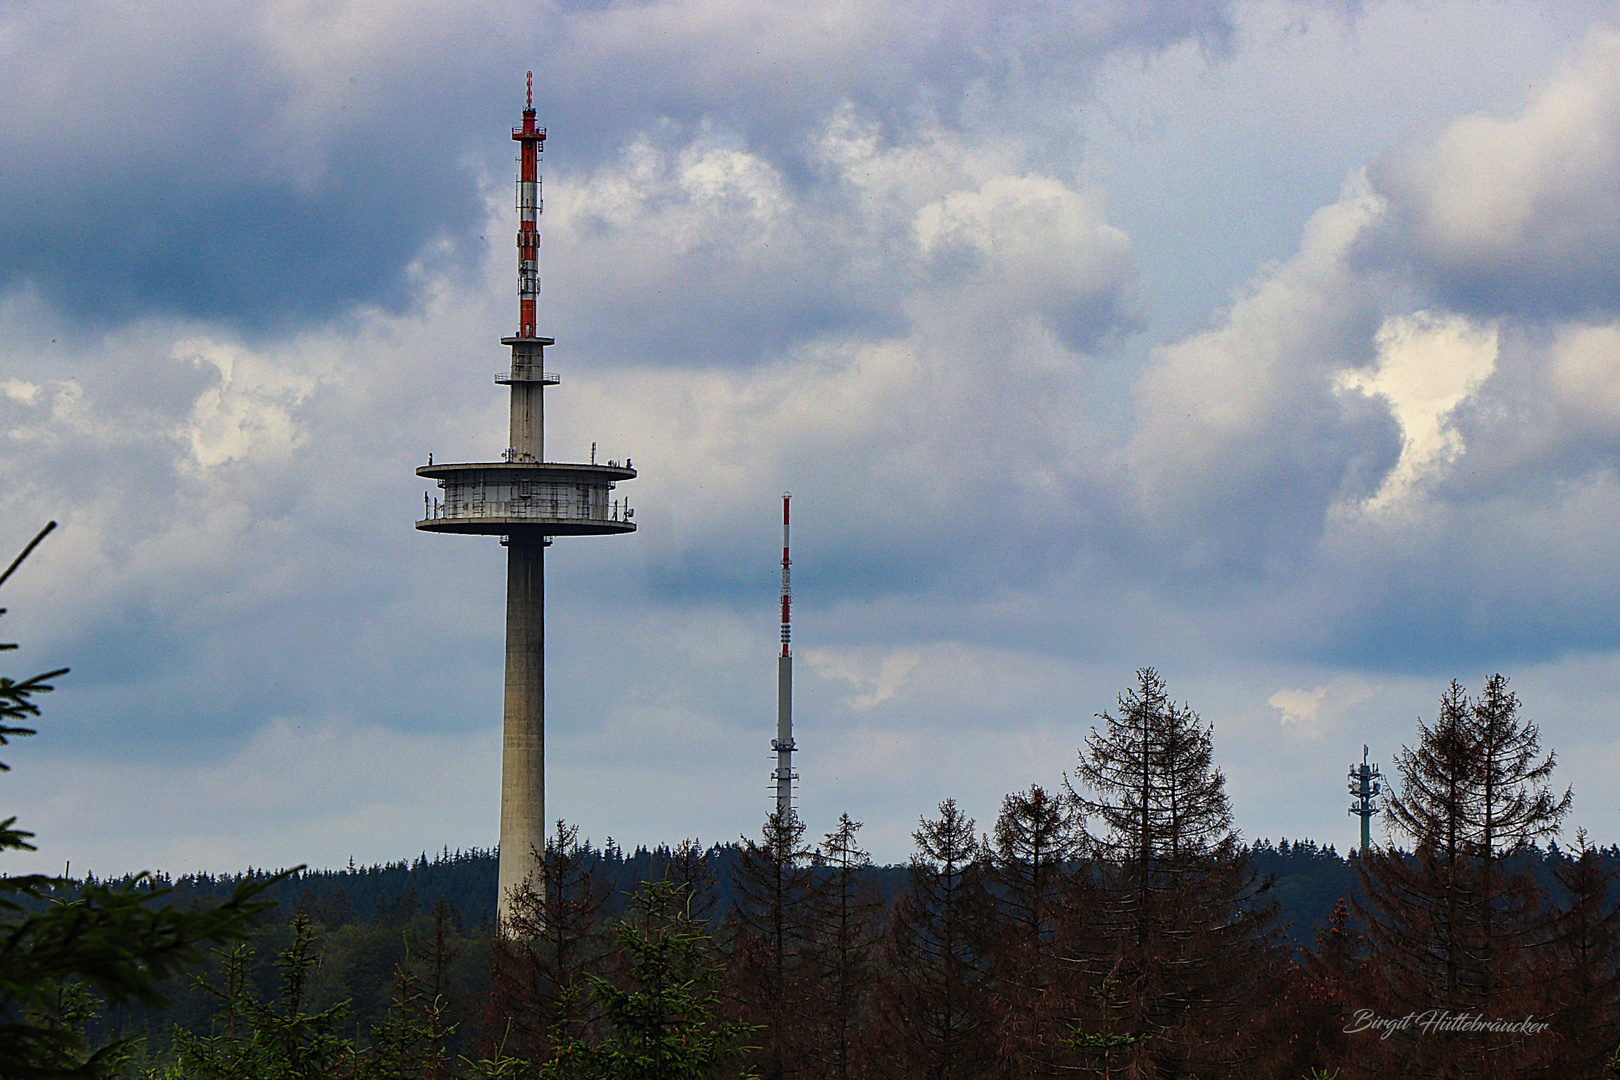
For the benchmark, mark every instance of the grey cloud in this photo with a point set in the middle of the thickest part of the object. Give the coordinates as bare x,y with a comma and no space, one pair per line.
726,263
1244,442
1507,582
1546,417
771,71
179,164
1516,215
233,538
260,254
269,165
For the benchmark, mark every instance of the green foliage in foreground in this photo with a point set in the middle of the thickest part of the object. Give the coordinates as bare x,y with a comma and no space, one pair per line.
657,1022
251,1039
1106,1048
58,964
662,1021
67,947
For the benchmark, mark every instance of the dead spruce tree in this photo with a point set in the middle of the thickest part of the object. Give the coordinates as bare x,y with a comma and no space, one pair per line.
1180,925
1032,872
845,922
1579,967
771,979
932,1016
1451,921
557,941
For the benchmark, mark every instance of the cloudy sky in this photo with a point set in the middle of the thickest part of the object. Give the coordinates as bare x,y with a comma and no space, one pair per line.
1275,345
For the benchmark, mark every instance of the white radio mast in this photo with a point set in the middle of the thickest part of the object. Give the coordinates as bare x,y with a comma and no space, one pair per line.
783,743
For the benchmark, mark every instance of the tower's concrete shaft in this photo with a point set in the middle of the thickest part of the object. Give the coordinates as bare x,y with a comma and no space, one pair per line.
523,727
523,719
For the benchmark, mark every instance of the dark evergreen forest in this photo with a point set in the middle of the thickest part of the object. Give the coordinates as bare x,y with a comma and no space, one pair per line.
1115,928
1118,927
368,920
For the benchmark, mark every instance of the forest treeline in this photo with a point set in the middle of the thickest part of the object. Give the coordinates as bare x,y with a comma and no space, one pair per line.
1116,927
367,920
1310,879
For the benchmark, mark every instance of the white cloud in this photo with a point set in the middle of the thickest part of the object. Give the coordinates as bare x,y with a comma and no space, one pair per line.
1242,443
1427,365
872,687
1031,245
248,411
20,391
1316,713
1298,706
1583,366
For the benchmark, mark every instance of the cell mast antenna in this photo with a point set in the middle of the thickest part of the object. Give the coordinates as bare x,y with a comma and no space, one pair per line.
1365,786
784,776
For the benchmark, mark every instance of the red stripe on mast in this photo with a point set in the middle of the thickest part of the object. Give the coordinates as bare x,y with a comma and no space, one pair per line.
529,138
787,591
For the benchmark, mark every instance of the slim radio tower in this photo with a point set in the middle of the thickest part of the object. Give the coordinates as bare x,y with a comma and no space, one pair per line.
1364,785
526,500
783,743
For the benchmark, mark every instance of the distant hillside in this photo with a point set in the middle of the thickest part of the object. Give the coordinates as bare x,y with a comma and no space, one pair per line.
1310,880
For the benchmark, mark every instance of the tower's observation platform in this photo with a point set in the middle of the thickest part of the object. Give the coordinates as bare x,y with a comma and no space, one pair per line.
519,498
524,496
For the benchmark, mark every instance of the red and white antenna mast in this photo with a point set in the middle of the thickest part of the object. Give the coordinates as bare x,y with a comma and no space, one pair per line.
787,583
530,138
783,743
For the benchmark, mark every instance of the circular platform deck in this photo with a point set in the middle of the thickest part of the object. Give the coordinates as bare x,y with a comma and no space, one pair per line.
545,498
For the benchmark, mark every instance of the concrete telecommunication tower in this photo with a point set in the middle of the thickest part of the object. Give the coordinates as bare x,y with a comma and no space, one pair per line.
526,500
783,743
1364,785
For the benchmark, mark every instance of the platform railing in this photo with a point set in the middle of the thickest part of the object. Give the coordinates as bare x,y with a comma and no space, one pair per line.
528,510
512,375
